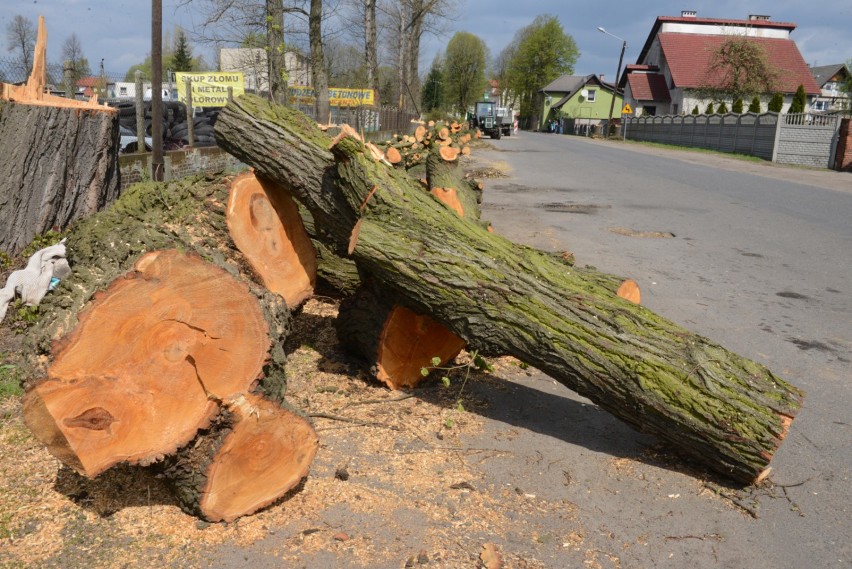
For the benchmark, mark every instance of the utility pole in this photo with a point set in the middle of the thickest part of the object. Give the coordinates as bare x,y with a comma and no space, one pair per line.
157,163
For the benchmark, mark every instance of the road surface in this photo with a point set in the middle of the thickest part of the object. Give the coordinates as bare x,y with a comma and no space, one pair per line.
755,256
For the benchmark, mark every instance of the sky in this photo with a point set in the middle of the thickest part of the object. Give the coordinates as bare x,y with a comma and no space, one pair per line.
119,31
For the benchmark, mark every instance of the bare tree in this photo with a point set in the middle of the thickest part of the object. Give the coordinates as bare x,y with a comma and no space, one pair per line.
21,35
72,53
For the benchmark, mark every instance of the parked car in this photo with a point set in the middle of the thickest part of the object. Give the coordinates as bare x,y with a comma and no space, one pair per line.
128,140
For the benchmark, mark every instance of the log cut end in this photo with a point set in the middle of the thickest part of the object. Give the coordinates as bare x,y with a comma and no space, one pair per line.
135,378
629,290
267,454
450,198
266,227
408,343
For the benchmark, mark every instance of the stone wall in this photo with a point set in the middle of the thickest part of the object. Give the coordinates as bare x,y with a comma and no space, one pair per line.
178,164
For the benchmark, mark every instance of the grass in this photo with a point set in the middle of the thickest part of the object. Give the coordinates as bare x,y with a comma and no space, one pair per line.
10,385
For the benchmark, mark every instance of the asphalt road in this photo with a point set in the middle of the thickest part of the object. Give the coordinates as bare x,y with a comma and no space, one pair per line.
760,260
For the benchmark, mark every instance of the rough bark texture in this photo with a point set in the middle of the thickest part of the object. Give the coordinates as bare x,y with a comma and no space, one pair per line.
56,165
723,410
318,69
338,275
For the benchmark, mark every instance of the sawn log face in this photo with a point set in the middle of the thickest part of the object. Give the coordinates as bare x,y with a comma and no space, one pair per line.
723,410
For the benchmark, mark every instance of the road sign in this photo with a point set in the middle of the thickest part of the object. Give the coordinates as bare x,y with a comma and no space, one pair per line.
627,110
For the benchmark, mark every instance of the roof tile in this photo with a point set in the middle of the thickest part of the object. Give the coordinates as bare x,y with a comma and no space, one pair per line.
648,87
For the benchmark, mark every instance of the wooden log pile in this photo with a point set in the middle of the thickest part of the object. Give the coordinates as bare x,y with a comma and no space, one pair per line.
167,344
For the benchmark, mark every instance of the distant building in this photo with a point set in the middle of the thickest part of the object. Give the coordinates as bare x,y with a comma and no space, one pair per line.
673,65
830,78
583,100
252,63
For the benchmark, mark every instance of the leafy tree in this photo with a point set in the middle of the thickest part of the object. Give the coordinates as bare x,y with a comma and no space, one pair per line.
776,103
799,100
723,108
737,106
710,110
433,88
754,107
738,68
182,57
695,110
539,53
464,70
21,35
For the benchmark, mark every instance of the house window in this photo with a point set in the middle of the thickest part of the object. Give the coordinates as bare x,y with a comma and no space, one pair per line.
591,97
650,110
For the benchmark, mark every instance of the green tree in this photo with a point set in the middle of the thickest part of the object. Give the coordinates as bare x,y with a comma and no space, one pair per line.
799,100
695,110
464,70
737,106
710,110
723,108
182,57
776,103
754,107
539,53
738,68
433,87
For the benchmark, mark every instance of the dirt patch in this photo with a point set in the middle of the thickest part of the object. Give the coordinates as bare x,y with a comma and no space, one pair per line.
641,234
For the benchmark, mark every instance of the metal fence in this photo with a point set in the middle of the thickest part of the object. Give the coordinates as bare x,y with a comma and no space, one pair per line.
368,119
806,138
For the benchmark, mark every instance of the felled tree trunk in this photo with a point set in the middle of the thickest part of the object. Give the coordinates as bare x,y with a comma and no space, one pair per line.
58,157
265,225
252,455
723,410
143,369
396,342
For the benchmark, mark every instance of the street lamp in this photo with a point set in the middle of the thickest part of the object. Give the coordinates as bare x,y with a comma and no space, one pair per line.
617,73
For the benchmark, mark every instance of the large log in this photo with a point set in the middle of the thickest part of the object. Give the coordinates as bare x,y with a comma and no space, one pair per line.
721,409
58,158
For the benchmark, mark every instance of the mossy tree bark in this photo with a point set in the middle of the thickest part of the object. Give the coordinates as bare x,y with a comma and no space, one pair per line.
723,410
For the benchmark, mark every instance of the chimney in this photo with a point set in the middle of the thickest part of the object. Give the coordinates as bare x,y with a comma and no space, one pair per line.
688,13
753,17
602,77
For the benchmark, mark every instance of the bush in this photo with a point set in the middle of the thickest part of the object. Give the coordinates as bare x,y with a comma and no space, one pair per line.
710,110
723,108
776,103
737,106
799,99
754,107
695,110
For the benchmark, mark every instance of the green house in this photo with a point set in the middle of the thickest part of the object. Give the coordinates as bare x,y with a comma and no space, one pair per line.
580,102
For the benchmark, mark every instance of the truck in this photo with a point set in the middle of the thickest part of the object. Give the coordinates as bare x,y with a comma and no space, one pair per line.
492,120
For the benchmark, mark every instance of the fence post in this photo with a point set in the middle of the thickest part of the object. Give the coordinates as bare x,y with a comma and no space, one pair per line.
190,114
140,113
778,120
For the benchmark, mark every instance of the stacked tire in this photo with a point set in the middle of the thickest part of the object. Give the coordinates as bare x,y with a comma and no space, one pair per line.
174,127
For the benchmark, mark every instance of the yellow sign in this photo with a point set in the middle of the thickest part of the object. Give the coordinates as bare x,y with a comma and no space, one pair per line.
210,89
302,94
627,110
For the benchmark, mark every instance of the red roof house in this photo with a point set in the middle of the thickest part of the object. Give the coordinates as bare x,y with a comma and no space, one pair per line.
674,64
